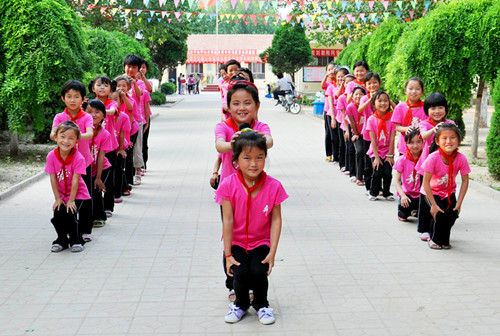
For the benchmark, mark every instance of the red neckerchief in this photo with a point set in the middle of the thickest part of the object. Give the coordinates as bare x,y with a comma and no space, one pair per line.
96,133
68,160
450,159
107,102
231,123
381,124
431,122
75,118
359,83
260,181
409,116
410,157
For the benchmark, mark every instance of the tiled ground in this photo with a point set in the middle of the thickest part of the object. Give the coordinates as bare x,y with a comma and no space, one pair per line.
345,265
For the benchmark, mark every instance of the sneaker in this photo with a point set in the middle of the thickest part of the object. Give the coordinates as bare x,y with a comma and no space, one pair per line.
328,159
372,198
77,248
426,236
126,193
87,237
346,172
56,248
137,179
119,200
335,163
235,314
342,169
266,315
353,179
390,198
144,171
109,213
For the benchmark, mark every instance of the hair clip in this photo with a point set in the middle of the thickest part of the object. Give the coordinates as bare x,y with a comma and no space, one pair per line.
248,129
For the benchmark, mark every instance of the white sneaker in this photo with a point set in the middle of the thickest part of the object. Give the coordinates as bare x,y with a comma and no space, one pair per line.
56,248
372,198
426,236
109,213
137,179
235,314
77,248
353,179
266,315
87,237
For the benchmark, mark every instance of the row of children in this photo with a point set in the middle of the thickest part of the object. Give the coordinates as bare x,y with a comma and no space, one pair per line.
361,123
250,200
101,151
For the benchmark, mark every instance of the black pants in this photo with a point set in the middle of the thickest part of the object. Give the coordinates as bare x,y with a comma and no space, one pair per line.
384,171
441,226
145,147
250,274
368,166
360,159
109,195
424,215
406,212
85,214
98,199
129,163
331,139
277,93
66,224
350,155
119,170
342,147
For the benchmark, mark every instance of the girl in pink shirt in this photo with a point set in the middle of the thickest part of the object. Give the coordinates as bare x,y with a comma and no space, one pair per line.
408,180
356,124
381,152
66,165
360,69
340,117
441,168
410,113
251,208
331,134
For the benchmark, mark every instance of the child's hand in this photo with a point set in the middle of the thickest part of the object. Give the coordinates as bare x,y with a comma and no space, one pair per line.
71,205
230,262
57,204
390,160
98,184
457,208
334,123
434,210
355,137
122,153
405,201
346,136
213,179
235,135
269,260
376,163
132,80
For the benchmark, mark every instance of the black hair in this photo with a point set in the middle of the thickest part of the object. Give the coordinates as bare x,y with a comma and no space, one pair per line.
361,63
233,62
416,79
343,69
243,86
247,71
98,105
433,100
120,78
279,75
359,88
378,94
102,79
132,59
146,63
73,85
349,76
412,132
68,125
371,75
249,139
447,126
223,67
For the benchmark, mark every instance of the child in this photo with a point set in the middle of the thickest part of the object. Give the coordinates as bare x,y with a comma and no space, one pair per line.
101,168
407,178
381,152
410,113
441,168
215,178
66,165
251,206
245,73
331,132
329,78
356,124
360,69
340,117
141,74
231,67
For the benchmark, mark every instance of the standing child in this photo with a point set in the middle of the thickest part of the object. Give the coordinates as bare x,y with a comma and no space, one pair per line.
360,69
441,168
141,74
340,117
407,178
381,152
231,67
251,207
66,165
356,124
331,132
410,113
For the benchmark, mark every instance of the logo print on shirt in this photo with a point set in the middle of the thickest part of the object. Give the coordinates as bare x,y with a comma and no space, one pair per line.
266,210
415,121
94,151
443,180
382,136
60,175
410,179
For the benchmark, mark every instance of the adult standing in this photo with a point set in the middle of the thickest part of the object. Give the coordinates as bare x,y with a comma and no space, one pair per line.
179,84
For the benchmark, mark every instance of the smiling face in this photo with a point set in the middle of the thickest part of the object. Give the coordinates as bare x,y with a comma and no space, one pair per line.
360,72
144,69
448,141
115,96
73,100
437,113
131,70
251,162
66,140
372,85
97,115
242,107
415,145
356,96
224,75
101,90
122,85
231,70
340,77
414,91
330,70
382,104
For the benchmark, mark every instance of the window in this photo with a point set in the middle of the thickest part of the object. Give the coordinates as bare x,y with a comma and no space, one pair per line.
194,68
258,70
323,61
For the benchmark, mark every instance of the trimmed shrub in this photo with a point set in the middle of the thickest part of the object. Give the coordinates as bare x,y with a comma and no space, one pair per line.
493,140
168,88
158,98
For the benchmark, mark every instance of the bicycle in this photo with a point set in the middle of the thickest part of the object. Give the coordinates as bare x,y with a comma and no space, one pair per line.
290,102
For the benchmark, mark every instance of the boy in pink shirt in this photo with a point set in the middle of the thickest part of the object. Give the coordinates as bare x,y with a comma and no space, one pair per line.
66,165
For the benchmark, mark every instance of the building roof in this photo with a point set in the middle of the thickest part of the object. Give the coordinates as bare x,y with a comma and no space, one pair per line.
259,42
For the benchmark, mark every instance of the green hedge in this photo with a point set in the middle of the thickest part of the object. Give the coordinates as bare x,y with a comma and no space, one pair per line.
158,98
493,140
168,88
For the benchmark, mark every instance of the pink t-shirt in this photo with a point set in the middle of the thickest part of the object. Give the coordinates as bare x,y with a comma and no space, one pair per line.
351,85
220,81
139,101
109,122
383,142
134,126
86,121
410,185
330,92
439,180
122,123
222,130
367,112
270,195
424,127
146,98
398,117
327,84
76,166
101,142
341,105
359,118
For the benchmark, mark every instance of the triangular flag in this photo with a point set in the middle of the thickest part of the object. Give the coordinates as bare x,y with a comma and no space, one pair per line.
344,4
149,19
373,16
358,5
129,2
413,4
160,2
127,11
386,4
188,15
341,19
139,11
146,3
315,5
169,20
288,18
398,13
233,3
152,13
176,3
103,9
177,15
370,3
190,2
163,14
329,4
201,4
297,18
96,2
375,20
348,25
113,11
325,17
386,14
81,2
362,16
349,17
427,3
411,14
247,3
400,4
261,4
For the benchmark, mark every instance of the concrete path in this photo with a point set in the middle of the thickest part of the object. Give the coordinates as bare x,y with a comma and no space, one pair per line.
345,266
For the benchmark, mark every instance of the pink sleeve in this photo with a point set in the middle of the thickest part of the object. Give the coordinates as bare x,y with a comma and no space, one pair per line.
223,191
220,131
79,166
57,119
371,124
329,91
398,166
463,166
281,194
263,128
350,110
399,114
146,96
49,166
88,122
350,86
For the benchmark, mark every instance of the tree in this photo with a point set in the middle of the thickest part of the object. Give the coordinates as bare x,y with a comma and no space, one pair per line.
289,51
493,140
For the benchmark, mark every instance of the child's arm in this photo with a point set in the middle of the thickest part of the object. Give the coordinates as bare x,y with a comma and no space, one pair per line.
354,128
217,164
227,232
55,190
137,89
111,111
333,124
269,140
405,201
390,155
349,98
402,129
89,133
275,237
362,107
377,162
100,164
145,81
463,191
53,133
121,150
223,146
71,205
147,112
126,101
428,191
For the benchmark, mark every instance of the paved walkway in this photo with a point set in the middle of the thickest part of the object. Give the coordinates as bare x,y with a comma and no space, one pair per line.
345,266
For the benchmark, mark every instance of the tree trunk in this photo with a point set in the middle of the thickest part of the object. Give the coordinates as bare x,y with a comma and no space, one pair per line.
475,130
14,144
344,41
483,118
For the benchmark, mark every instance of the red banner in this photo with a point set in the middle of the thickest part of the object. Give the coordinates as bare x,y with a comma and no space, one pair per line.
326,52
222,56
